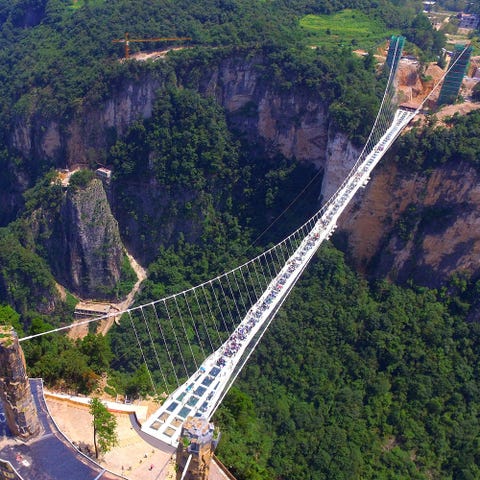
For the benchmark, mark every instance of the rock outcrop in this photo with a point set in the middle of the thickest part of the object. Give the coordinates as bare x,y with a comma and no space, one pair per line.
416,226
15,394
91,252
81,241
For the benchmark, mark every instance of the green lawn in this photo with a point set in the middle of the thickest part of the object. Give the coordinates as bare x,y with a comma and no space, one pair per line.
347,28
76,4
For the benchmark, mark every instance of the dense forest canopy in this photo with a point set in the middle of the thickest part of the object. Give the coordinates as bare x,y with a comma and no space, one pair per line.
53,52
459,6
358,381
433,145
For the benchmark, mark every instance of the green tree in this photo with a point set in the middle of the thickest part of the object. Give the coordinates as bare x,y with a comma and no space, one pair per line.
97,349
8,316
140,383
104,427
81,179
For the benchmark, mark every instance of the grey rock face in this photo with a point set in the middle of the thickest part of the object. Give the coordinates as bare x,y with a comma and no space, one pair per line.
15,394
91,250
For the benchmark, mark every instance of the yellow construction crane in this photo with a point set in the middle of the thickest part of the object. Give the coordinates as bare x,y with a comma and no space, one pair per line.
127,40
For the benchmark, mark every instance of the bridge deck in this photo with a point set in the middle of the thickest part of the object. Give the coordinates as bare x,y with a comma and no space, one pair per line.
202,392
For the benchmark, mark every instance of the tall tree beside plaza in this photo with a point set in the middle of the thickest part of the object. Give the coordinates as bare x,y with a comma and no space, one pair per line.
104,427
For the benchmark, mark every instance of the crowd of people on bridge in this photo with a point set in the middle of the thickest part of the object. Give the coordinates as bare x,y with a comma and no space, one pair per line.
240,335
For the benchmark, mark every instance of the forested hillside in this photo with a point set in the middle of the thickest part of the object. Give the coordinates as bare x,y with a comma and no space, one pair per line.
358,381
355,379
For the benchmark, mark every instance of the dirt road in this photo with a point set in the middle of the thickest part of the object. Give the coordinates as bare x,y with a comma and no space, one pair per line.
80,330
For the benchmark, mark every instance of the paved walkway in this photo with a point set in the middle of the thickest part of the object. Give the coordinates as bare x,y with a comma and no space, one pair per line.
132,457
49,456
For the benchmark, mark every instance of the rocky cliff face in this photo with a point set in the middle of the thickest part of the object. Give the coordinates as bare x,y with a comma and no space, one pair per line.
423,227
81,241
391,232
293,123
91,253
91,131
15,394
82,138
157,217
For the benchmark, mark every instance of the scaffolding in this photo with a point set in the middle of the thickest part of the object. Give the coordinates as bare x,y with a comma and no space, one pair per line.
395,52
453,79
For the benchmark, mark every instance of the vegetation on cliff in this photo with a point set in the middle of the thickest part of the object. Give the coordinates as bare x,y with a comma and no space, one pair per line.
26,281
54,52
427,147
58,61
70,233
358,381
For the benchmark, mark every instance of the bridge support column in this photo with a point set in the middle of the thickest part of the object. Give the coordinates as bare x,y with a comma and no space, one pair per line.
195,449
15,393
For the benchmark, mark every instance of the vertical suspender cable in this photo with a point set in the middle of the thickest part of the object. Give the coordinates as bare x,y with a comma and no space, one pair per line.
153,346
176,338
186,333
141,350
166,345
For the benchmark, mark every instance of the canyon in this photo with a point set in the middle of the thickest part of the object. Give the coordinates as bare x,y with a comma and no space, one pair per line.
442,207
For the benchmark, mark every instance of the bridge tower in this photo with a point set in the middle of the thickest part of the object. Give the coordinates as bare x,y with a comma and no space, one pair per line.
454,77
395,52
195,449
15,394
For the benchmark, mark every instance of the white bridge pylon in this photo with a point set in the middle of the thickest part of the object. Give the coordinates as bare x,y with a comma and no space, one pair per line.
202,393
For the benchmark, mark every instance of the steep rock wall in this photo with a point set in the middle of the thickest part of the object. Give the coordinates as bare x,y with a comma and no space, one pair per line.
85,137
81,137
418,226
294,122
82,242
291,122
152,215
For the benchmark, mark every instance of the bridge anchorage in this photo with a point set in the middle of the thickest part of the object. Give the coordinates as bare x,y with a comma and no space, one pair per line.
220,322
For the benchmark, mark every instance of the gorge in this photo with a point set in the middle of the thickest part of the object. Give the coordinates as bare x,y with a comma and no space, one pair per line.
358,377
290,123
